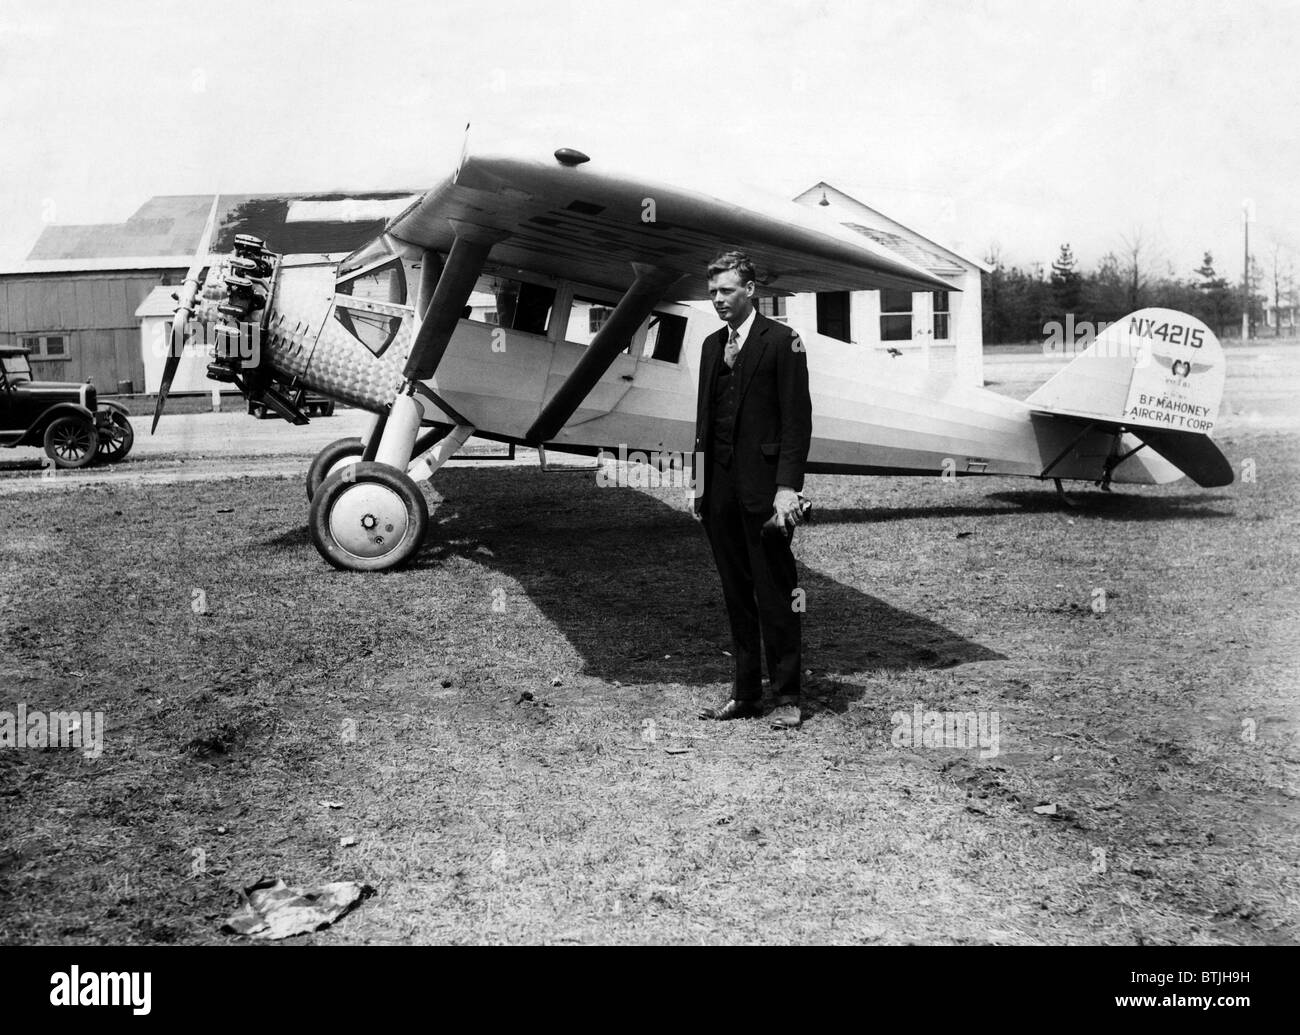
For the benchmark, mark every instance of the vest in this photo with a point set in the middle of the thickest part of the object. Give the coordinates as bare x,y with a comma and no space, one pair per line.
726,397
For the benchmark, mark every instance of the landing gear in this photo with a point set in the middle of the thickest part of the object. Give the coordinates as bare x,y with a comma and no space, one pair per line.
336,455
368,517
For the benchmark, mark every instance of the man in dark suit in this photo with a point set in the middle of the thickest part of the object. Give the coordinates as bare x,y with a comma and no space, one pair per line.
753,427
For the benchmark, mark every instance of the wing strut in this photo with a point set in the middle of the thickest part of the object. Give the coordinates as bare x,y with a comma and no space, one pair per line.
646,292
455,284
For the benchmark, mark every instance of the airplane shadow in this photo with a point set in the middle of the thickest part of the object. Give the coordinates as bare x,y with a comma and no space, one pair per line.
1120,505
1115,506
630,582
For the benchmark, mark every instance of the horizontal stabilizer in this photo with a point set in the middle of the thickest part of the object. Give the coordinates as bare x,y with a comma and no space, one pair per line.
1191,452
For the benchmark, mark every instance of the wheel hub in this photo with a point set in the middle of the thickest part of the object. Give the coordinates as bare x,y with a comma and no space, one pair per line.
368,520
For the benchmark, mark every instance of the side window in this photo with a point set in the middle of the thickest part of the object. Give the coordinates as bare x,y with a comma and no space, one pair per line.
16,368
664,337
586,317
660,337
512,304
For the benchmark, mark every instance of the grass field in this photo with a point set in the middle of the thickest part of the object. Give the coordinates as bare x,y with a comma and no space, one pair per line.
509,726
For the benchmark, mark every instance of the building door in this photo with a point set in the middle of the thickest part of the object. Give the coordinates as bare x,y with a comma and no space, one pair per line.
833,314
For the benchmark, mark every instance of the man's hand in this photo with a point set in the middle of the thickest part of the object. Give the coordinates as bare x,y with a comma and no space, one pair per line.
786,505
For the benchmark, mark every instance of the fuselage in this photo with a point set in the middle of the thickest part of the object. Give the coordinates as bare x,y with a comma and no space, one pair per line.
349,336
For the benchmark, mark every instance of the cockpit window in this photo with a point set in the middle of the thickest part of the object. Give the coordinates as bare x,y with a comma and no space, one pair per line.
512,304
367,255
386,283
375,331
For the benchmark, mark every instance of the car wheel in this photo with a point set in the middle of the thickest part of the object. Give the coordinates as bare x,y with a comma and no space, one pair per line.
71,442
334,456
368,517
117,439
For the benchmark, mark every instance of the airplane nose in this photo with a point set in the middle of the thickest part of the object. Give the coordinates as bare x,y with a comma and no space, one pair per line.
236,295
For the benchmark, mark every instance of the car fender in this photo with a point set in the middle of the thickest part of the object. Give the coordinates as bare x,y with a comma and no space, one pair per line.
36,433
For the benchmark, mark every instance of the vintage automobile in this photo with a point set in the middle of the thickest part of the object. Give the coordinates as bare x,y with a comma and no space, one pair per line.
68,420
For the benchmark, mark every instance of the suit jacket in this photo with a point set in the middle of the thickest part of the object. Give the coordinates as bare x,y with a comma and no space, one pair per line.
773,428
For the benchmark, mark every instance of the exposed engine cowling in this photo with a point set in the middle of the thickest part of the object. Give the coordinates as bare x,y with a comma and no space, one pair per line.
232,308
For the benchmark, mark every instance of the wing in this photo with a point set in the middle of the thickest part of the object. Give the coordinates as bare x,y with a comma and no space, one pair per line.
578,222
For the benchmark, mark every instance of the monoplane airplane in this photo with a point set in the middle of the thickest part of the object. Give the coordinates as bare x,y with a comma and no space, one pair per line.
542,302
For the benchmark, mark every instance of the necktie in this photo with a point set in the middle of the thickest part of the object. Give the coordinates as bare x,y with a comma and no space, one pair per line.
733,348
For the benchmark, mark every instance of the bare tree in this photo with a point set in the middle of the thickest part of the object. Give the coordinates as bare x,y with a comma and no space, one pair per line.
1136,256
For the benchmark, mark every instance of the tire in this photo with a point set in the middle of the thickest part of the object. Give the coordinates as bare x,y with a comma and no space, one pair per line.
328,459
368,517
118,441
327,409
71,442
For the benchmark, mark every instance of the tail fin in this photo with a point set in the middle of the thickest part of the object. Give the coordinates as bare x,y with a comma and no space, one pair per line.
1157,373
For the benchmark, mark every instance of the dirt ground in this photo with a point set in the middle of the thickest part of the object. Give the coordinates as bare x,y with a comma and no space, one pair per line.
502,742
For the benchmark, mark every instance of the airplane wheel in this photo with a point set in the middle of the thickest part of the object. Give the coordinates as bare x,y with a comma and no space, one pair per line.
71,442
117,440
337,454
368,517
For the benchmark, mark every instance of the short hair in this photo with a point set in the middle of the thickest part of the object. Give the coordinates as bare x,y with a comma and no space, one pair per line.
738,261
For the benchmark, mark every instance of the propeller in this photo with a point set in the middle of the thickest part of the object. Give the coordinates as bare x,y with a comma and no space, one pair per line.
184,310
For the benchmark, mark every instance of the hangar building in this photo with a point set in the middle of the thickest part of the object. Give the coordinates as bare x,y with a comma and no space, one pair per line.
94,302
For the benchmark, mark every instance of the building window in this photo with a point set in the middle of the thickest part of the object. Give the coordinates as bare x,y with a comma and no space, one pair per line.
833,314
46,346
596,317
895,315
773,307
941,314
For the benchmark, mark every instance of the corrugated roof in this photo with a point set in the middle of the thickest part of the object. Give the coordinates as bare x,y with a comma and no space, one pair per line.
171,225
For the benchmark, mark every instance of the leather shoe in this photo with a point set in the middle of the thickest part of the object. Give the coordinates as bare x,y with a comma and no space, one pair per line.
785,717
733,709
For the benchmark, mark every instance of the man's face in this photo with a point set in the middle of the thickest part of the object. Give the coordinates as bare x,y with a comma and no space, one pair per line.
732,299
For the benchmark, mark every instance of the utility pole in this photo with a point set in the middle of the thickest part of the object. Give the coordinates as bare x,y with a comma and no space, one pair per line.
1247,214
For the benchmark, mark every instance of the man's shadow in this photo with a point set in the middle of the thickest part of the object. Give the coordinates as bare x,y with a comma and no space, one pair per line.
630,582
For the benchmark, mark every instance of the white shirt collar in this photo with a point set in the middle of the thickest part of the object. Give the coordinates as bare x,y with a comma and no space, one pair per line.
742,332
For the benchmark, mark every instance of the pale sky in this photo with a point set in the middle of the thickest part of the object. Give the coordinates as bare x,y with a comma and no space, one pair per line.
1004,121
